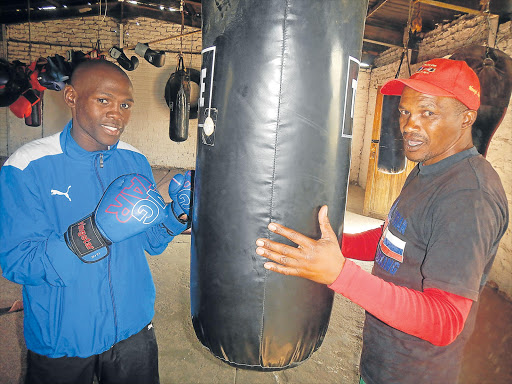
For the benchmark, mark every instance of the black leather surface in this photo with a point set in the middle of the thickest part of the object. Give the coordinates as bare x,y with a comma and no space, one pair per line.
391,145
278,77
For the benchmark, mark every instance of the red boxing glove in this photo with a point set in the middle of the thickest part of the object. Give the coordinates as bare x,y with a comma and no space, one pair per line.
361,246
23,106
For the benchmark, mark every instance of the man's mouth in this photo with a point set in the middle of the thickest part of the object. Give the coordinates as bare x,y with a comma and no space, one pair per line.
412,143
112,129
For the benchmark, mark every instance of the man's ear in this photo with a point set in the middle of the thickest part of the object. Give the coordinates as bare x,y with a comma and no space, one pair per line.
70,96
468,118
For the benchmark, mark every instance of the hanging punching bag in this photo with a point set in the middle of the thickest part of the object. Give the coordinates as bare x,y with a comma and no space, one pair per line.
278,82
391,146
35,119
177,96
494,70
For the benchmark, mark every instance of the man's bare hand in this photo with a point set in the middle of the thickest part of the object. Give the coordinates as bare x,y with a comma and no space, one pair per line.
318,260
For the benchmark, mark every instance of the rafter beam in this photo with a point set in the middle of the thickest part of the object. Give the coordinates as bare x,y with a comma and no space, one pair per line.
117,10
452,7
376,8
384,44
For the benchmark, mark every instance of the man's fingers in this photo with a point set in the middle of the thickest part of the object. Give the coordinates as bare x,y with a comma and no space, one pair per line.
290,234
325,224
281,269
280,253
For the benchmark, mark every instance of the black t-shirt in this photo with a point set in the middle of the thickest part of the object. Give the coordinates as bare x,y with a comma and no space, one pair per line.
443,232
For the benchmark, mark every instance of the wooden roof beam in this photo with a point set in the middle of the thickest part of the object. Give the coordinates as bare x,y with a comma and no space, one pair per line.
452,7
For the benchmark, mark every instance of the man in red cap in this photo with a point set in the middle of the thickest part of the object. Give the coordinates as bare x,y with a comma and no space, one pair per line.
434,252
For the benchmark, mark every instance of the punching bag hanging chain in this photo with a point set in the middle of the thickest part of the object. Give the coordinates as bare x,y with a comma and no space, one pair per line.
182,27
29,33
406,41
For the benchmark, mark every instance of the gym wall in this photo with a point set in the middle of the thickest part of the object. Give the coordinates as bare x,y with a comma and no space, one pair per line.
149,126
148,129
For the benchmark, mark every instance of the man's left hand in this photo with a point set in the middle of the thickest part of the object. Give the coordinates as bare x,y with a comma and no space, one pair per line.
317,260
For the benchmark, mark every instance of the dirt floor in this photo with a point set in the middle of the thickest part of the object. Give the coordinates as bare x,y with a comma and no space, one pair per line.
183,360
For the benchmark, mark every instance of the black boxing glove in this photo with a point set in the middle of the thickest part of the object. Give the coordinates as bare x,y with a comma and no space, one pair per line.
157,58
123,60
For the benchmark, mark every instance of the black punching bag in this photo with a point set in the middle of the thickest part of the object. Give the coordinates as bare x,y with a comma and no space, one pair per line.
177,96
35,119
391,144
278,82
494,70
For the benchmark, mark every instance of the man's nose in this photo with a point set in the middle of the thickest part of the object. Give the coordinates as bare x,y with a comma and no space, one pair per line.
409,123
114,111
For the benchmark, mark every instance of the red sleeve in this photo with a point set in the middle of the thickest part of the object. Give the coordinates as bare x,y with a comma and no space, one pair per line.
433,315
361,246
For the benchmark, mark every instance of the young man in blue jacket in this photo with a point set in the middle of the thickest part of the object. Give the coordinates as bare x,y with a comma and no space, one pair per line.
78,210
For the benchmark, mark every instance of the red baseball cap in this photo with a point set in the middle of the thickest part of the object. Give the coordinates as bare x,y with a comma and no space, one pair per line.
441,77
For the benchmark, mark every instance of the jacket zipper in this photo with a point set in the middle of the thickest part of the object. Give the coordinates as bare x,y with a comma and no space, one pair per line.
109,259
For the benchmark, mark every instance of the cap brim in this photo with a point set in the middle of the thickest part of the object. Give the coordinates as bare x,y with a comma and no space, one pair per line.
396,86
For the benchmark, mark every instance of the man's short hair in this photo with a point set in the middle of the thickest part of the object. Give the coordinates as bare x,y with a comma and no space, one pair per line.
91,64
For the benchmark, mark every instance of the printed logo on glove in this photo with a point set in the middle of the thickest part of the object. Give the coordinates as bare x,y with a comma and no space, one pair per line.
129,206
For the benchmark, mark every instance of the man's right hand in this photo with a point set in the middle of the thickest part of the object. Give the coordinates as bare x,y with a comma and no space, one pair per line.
130,205
178,211
317,260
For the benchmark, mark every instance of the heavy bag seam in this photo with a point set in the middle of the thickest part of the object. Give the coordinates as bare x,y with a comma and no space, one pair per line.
283,49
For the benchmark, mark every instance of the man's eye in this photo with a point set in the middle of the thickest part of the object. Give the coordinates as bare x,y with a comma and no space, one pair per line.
102,101
126,106
428,113
403,112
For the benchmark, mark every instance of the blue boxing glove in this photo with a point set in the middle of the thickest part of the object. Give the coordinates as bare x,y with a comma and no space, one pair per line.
180,189
130,205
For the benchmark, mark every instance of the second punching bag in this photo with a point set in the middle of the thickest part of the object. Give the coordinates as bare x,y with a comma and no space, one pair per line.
278,82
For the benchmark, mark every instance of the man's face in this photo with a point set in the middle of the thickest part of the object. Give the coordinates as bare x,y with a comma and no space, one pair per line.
433,127
101,102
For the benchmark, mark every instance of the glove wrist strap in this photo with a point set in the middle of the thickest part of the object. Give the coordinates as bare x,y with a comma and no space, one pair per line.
179,214
85,240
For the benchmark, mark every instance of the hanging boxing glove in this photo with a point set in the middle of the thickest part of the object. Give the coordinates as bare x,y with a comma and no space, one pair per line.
157,58
59,68
35,118
10,90
23,106
54,72
123,60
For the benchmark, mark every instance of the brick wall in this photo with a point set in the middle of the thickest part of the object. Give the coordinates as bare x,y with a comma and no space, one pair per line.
443,41
149,126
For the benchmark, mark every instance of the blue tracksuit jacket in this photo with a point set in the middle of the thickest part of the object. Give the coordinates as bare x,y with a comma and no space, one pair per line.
72,308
